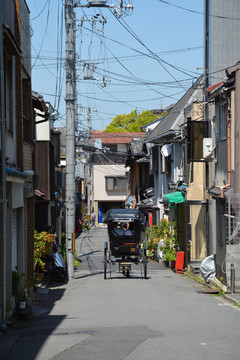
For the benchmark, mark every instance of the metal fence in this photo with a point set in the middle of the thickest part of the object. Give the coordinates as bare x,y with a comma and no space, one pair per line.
232,214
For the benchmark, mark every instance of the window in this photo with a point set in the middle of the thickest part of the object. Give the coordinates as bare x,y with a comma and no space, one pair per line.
111,147
222,121
116,184
196,131
8,89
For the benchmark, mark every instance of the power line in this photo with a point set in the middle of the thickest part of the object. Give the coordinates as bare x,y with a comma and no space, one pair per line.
197,12
128,28
45,32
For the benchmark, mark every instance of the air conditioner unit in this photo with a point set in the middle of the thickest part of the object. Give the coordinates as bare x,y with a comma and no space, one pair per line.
207,148
59,179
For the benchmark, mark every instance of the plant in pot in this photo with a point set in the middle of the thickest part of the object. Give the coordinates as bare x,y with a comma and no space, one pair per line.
151,248
22,295
153,237
42,247
17,280
170,245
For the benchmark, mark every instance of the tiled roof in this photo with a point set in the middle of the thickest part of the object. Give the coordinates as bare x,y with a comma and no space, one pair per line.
214,88
115,138
172,121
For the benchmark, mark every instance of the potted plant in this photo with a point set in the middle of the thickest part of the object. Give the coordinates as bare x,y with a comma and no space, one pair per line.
151,248
17,279
42,247
170,245
166,232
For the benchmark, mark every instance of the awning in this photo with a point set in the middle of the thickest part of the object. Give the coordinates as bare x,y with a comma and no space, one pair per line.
16,173
174,197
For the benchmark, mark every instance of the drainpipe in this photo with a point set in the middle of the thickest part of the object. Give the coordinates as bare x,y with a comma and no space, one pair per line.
229,140
228,150
3,180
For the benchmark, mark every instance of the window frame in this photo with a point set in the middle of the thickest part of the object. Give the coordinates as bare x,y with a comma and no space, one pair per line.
116,181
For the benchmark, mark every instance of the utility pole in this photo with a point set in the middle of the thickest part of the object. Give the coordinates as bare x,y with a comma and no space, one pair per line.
70,99
89,134
3,200
70,45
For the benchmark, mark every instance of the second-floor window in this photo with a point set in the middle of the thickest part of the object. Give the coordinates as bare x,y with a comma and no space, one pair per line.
116,184
222,121
8,89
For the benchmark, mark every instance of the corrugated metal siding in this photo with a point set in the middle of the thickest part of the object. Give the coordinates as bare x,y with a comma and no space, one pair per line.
14,240
224,37
25,238
25,36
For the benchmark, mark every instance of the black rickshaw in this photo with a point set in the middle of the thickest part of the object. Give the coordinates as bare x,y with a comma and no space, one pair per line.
125,247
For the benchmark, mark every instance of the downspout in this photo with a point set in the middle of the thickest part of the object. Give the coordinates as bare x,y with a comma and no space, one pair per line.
228,149
3,199
229,140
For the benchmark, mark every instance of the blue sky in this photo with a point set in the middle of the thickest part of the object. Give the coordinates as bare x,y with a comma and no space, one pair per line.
147,60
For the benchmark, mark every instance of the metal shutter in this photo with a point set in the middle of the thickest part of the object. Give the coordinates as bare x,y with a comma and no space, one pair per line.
14,239
25,239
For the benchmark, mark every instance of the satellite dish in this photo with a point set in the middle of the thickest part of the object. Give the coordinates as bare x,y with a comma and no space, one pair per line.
166,150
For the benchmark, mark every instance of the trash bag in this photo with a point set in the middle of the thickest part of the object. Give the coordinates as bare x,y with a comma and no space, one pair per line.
208,268
159,251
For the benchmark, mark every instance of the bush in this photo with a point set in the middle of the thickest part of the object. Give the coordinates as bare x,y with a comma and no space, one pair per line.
168,233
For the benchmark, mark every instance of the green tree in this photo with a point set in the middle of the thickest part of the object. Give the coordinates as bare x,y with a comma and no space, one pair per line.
131,122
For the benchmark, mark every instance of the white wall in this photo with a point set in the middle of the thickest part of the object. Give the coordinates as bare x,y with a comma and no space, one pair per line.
43,130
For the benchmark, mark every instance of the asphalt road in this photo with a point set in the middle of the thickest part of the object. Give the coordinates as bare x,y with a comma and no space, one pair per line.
162,317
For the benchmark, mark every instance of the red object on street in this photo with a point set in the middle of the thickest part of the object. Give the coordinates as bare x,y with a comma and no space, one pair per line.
179,262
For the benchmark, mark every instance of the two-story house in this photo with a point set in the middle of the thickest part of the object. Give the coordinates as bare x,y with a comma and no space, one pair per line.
176,194
17,147
224,190
110,184
48,196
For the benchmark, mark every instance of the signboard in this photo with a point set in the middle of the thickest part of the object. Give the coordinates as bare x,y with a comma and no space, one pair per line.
179,262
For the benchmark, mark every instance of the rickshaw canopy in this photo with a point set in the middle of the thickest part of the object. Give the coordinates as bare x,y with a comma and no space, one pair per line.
124,215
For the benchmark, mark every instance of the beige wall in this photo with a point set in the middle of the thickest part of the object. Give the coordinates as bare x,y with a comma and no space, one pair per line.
196,188
99,188
198,243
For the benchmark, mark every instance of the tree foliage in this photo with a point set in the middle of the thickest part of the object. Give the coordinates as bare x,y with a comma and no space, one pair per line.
131,122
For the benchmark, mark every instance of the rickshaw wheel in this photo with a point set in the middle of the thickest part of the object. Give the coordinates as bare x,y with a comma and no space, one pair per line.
105,260
145,261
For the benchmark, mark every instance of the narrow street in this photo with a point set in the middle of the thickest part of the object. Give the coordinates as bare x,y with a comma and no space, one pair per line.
163,317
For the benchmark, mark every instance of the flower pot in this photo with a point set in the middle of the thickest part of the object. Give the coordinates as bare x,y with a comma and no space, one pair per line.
173,264
22,304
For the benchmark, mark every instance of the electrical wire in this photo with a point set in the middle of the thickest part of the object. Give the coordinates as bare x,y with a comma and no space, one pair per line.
151,54
130,71
40,11
45,32
198,12
159,60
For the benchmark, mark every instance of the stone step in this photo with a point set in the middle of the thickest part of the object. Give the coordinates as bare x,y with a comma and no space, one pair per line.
195,266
